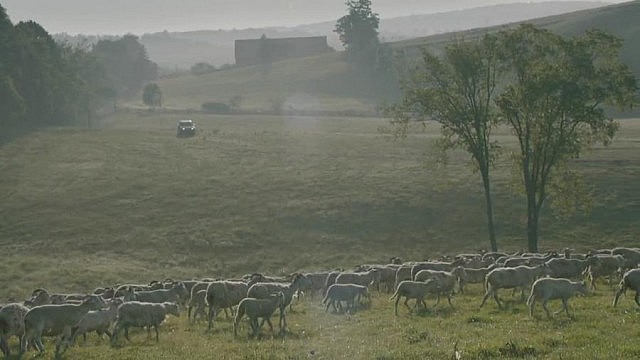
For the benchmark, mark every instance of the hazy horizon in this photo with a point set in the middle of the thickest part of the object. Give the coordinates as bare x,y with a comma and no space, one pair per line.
118,17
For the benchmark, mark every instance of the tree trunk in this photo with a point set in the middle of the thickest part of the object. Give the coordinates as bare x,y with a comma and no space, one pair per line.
489,203
532,221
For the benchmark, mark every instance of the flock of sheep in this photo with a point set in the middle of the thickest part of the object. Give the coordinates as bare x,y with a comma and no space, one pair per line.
110,310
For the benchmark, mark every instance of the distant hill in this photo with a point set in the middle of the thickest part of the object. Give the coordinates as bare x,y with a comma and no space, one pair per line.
621,20
180,50
323,83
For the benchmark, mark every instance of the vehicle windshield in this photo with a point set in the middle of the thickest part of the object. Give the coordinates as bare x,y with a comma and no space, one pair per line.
185,123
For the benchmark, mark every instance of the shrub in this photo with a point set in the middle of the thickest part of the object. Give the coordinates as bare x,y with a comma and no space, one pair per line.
216,107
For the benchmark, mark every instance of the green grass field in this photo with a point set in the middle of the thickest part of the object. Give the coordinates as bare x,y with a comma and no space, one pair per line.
132,203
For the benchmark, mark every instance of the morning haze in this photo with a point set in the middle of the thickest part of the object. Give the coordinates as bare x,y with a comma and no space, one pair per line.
138,17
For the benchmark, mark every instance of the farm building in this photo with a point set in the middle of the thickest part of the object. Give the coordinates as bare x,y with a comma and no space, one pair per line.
265,50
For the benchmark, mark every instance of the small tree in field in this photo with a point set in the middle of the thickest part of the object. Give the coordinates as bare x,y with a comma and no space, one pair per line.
552,100
152,96
457,90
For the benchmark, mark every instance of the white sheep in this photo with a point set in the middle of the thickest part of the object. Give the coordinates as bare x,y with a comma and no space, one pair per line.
178,293
608,265
259,308
569,268
264,290
435,265
456,275
199,302
11,324
552,288
224,294
141,314
519,277
317,282
631,256
351,293
196,299
99,321
366,278
56,319
402,273
630,280
414,290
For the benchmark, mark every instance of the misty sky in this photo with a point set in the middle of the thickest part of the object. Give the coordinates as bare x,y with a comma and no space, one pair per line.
147,16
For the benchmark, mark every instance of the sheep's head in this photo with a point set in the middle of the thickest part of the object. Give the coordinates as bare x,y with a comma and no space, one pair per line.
94,302
171,308
582,288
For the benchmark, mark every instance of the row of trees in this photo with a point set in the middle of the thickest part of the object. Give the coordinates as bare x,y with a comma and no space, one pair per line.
46,83
549,90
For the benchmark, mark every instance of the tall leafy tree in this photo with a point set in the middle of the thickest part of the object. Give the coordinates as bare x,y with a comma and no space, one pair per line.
11,102
358,31
126,64
457,90
553,101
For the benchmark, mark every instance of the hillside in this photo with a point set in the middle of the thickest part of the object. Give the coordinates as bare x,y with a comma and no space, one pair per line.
619,19
180,50
324,84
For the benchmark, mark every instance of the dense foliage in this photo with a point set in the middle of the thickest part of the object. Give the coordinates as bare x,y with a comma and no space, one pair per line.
44,83
549,90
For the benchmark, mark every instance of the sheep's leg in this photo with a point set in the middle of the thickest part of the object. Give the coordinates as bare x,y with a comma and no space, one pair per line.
254,326
618,294
486,296
283,319
268,322
126,333
437,300
495,296
212,315
5,346
38,343
544,306
406,303
157,336
396,306
531,302
449,300
637,298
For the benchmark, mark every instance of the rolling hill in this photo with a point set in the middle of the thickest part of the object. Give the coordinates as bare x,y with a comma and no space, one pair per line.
325,84
180,50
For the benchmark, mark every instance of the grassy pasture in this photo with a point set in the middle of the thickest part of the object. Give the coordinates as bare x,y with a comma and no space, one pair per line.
131,203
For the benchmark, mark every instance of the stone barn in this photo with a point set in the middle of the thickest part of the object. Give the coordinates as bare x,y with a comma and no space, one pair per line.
265,50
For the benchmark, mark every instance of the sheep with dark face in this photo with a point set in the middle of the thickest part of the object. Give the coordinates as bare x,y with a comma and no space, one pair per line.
142,314
56,319
260,309
350,293
630,280
552,288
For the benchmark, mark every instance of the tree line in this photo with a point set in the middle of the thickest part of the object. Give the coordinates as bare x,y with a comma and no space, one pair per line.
550,91
44,83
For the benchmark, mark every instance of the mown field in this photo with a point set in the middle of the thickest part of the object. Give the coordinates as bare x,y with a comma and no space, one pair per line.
132,203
